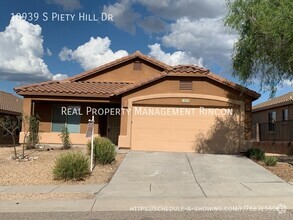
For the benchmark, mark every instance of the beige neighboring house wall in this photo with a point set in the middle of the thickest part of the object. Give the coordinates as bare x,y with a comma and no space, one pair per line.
139,81
10,105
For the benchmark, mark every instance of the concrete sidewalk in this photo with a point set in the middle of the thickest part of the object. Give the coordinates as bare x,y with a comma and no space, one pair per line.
278,204
138,203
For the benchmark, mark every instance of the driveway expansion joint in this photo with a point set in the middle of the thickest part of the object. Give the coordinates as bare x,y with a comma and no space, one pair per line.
195,176
93,205
245,186
96,193
267,182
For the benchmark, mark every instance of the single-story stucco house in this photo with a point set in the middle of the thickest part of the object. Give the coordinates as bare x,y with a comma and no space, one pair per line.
143,104
273,124
10,105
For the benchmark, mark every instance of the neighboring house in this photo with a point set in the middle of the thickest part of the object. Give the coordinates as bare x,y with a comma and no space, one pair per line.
153,106
273,124
10,105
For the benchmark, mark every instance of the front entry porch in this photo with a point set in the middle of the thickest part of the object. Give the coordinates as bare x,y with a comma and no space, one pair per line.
54,115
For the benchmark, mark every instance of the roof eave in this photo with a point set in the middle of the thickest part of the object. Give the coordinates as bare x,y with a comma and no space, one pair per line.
65,94
290,102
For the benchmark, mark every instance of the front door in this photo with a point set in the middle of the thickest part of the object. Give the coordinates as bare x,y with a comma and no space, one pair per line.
113,128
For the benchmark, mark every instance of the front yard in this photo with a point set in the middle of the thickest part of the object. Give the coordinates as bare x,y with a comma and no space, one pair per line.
283,169
38,171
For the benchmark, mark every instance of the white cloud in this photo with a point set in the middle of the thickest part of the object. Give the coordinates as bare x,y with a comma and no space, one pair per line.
92,54
205,38
178,57
59,76
49,53
152,24
21,53
67,5
126,16
123,15
174,9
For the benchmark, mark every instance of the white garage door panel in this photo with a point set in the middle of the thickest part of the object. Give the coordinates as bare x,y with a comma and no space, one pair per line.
170,132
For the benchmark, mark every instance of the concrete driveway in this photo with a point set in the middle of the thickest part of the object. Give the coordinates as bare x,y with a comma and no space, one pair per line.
184,175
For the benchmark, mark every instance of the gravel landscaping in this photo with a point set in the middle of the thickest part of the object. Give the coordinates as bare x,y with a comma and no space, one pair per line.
46,196
282,169
38,171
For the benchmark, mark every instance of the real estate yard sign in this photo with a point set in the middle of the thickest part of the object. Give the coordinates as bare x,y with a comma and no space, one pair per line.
90,134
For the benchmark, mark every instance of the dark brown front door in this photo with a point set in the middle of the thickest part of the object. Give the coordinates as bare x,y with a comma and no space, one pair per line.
113,128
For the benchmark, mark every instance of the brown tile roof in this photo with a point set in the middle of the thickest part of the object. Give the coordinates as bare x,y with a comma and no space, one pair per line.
275,102
73,86
94,89
10,103
187,69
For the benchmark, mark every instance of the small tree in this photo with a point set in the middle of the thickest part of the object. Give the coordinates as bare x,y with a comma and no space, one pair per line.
11,125
66,143
33,135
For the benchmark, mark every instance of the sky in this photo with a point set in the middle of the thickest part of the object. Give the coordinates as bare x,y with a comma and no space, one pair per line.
43,40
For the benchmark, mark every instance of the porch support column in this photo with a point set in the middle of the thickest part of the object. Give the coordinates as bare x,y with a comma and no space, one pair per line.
26,110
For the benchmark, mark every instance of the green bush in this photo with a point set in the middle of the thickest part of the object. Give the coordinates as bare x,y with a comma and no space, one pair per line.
65,138
104,150
256,154
71,166
270,161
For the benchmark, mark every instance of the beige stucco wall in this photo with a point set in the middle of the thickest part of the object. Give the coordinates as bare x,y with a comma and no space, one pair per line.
201,86
125,73
54,138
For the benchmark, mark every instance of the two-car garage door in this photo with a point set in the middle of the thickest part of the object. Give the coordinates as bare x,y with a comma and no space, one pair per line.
181,129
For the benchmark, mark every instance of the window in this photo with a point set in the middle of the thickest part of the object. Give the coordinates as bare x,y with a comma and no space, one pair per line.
285,114
59,120
185,85
137,65
272,121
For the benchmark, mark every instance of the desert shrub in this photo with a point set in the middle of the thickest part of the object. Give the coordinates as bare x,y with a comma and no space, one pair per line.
256,154
66,143
71,166
104,150
270,161
33,134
